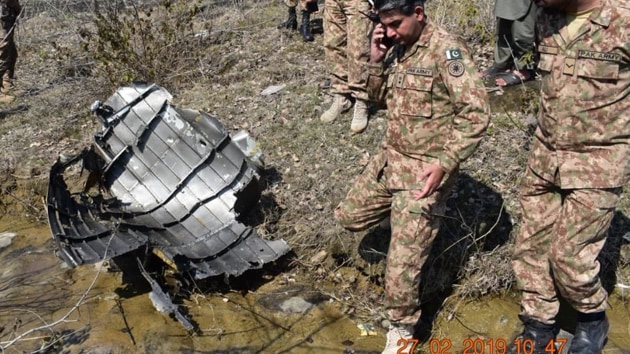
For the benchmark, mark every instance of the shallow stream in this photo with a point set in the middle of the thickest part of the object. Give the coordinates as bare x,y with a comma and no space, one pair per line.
96,311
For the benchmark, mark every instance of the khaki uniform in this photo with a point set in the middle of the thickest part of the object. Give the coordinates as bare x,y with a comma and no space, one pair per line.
437,114
347,45
579,160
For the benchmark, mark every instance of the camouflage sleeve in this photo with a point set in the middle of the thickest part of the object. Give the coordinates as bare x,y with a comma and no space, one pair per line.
376,77
469,100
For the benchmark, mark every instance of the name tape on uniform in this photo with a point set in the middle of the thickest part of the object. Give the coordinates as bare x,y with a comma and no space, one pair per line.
420,71
599,56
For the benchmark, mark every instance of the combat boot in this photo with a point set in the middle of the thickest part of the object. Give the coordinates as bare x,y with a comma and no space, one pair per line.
340,104
305,28
6,91
535,338
590,333
359,117
291,22
5,98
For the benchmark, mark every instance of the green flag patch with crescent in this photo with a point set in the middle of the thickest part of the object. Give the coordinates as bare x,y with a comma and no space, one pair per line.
453,54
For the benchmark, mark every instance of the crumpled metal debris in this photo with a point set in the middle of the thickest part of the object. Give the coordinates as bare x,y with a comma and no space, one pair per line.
162,301
171,180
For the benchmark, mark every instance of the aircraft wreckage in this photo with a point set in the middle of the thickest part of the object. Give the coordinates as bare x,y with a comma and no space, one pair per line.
170,180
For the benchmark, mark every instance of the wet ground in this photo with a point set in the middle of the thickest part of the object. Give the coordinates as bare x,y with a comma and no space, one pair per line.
92,310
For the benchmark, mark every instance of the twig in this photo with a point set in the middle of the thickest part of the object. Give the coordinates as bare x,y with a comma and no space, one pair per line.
7,344
122,313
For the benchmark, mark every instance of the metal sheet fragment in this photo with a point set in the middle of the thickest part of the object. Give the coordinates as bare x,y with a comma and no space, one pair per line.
171,180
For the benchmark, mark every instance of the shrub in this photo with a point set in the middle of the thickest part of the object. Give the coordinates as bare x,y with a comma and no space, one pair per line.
160,43
473,20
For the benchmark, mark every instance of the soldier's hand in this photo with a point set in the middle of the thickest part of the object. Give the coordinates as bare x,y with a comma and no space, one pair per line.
433,176
378,46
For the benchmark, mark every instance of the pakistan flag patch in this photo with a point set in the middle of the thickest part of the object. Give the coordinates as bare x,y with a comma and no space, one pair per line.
453,54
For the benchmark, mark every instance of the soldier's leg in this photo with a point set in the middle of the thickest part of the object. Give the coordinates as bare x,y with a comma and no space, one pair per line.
502,51
291,22
581,230
414,225
523,36
368,201
541,204
8,56
8,76
335,41
358,49
307,7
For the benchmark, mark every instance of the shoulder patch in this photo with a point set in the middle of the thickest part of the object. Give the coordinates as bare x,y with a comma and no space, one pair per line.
456,68
453,54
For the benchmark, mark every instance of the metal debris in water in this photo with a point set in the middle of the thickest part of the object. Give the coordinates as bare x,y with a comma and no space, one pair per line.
169,179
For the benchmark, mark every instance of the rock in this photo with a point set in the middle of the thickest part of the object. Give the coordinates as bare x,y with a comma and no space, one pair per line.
319,257
272,89
295,304
6,238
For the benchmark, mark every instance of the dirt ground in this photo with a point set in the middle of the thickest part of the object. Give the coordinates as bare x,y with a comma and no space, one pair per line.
309,164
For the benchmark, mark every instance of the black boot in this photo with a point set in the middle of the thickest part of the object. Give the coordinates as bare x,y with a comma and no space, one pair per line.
534,339
305,28
291,22
590,333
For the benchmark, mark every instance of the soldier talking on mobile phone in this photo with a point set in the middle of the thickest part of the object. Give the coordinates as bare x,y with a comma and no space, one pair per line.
437,110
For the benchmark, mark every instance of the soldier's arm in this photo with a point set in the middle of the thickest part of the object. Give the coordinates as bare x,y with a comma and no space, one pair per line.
470,105
376,89
376,65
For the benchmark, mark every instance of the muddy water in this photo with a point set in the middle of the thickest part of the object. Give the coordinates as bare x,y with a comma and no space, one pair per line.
91,310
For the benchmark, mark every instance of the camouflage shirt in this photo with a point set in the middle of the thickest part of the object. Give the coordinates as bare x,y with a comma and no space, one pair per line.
436,103
584,123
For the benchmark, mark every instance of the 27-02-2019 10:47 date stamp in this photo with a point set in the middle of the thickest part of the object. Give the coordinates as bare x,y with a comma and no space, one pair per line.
480,346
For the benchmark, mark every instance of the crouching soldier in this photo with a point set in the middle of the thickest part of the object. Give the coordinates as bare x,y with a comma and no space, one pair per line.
437,110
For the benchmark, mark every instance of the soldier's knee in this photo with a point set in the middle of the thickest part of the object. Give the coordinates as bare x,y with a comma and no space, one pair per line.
343,216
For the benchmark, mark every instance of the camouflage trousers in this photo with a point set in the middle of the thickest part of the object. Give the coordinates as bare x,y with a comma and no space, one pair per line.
562,233
295,3
347,45
414,225
8,57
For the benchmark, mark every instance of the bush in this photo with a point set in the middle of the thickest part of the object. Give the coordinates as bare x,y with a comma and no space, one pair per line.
473,20
161,43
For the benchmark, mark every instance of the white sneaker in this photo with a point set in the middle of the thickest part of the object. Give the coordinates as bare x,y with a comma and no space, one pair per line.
400,340
359,117
340,104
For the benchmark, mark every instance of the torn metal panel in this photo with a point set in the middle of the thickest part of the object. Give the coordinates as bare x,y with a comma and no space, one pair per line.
175,181
162,301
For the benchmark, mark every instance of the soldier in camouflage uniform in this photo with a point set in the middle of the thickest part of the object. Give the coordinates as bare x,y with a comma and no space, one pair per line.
437,115
9,12
346,46
307,7
577,167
